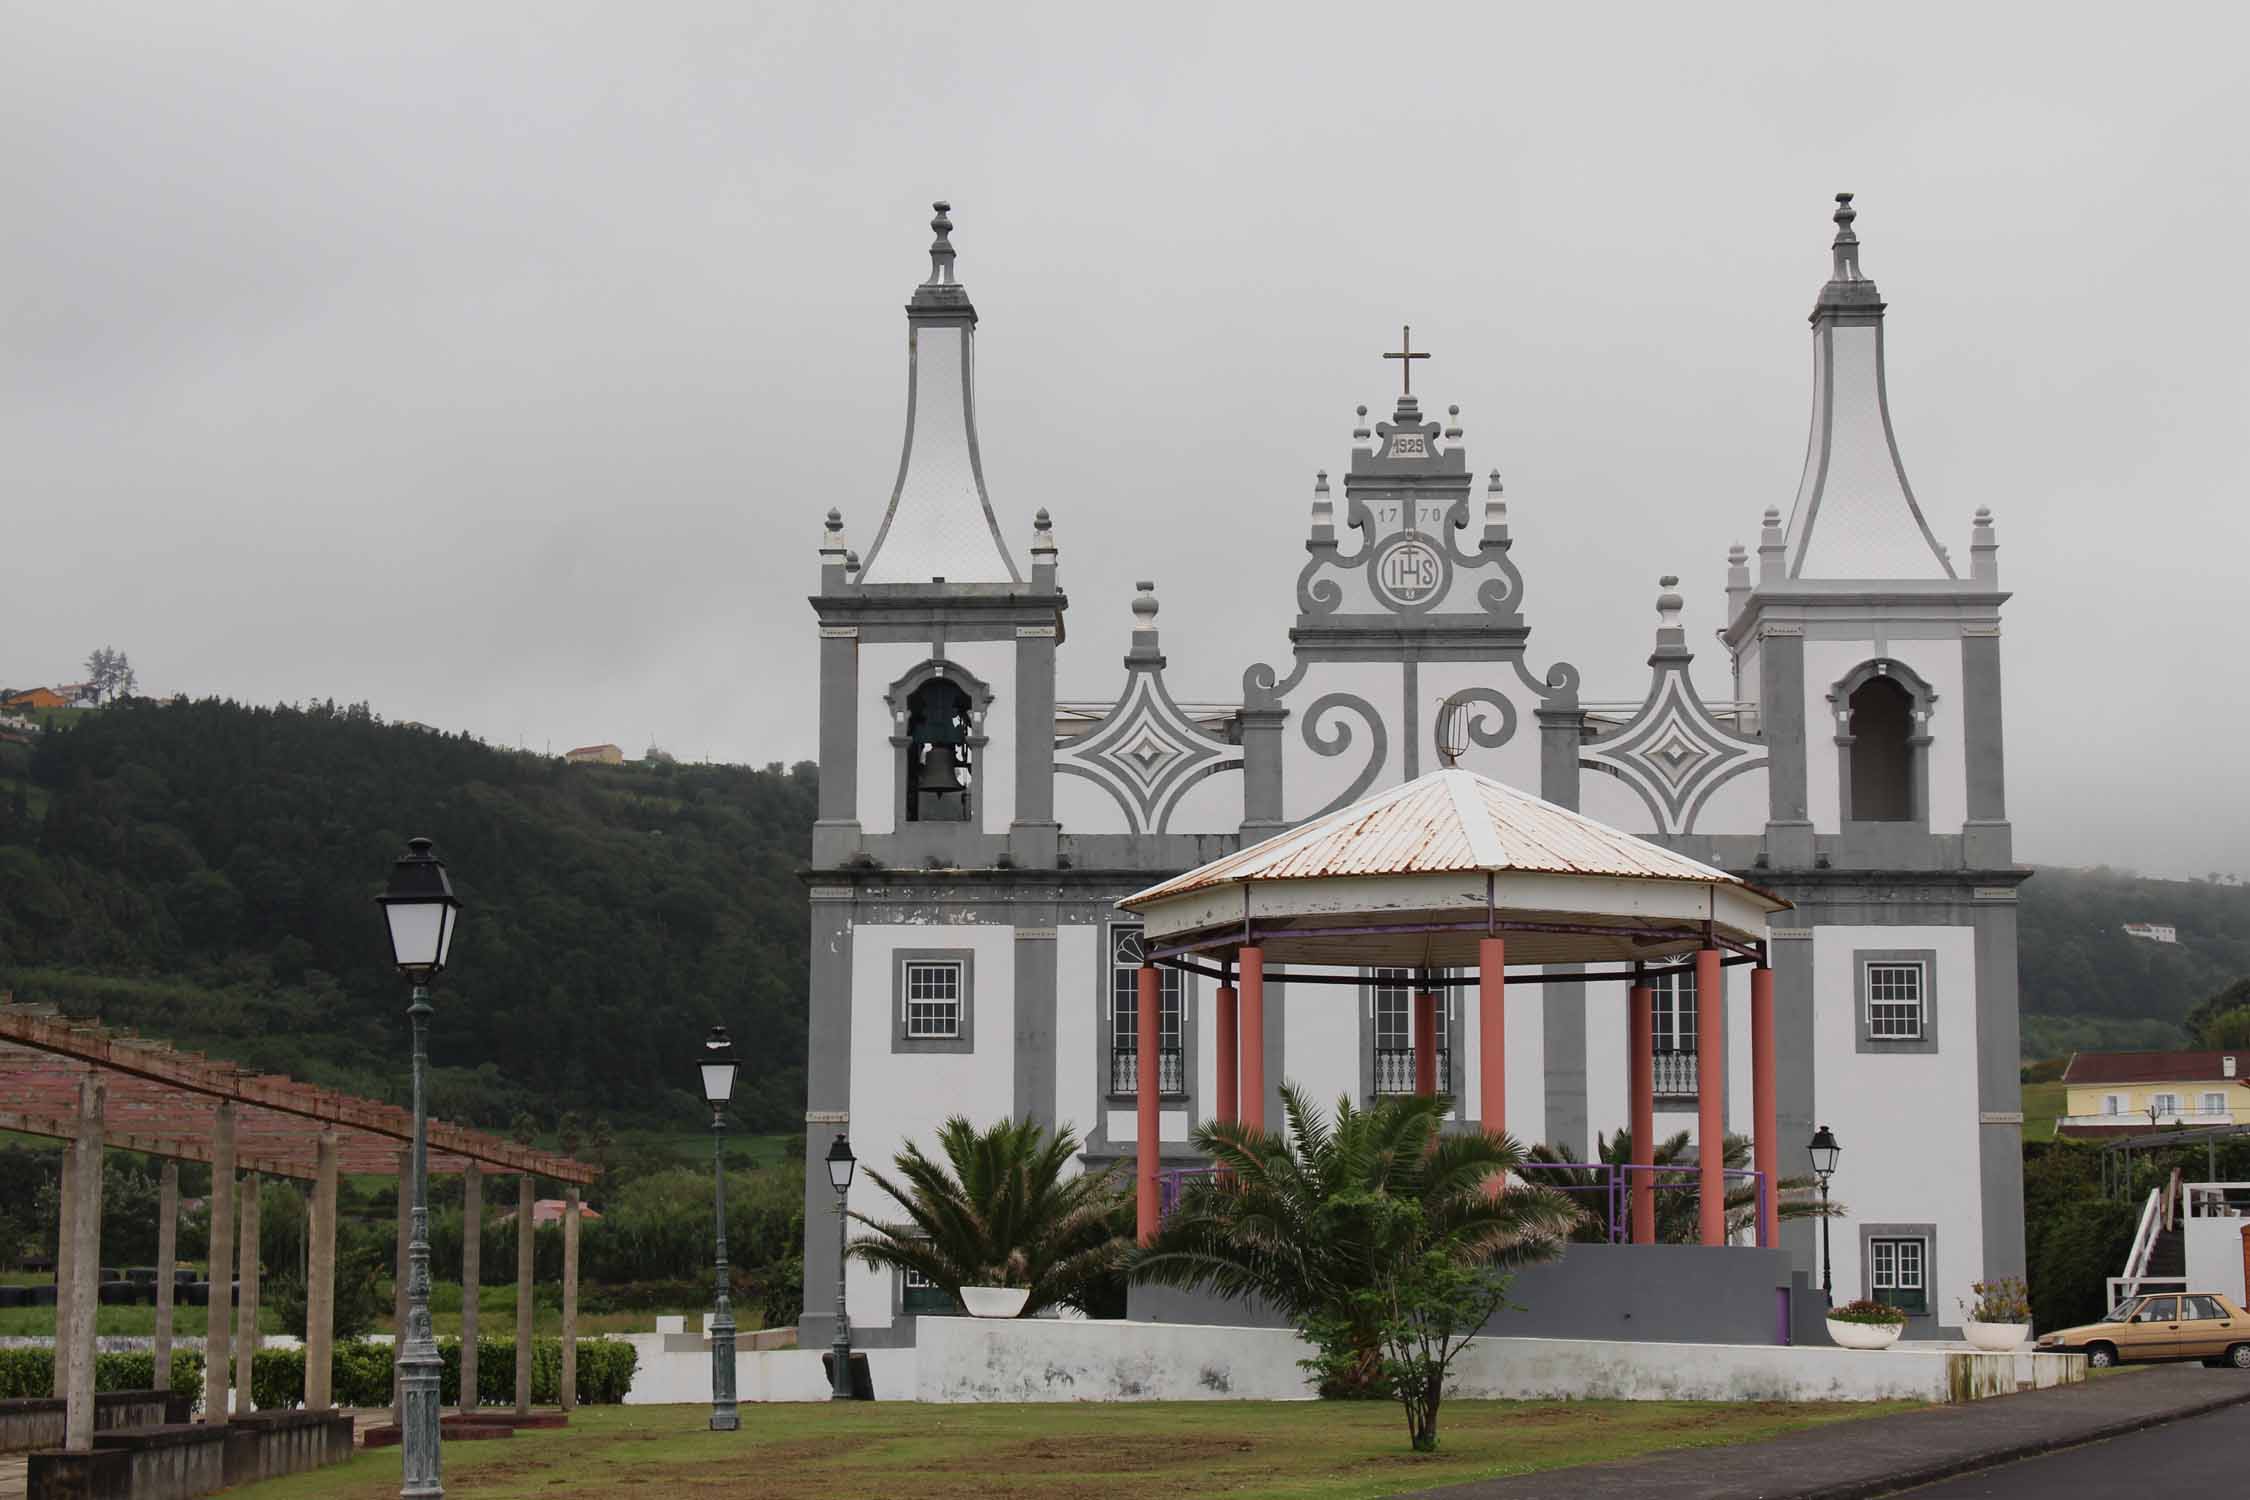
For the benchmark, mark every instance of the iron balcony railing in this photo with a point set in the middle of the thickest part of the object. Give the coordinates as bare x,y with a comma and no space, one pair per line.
1394,1070
1125,1073
1675,1074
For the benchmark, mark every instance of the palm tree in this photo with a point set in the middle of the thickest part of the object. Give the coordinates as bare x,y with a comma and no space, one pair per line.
1309,1221
1679,1204
1003,1210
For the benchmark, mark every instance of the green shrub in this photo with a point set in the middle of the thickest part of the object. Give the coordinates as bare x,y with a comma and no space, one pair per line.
31,1372
362,1373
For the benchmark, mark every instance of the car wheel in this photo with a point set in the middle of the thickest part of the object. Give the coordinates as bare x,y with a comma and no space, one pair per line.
2100,1357
2239,1356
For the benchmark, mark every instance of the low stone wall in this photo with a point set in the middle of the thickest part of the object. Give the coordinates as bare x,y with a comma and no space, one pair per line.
668,1376
179,1461
30,1422
269,1444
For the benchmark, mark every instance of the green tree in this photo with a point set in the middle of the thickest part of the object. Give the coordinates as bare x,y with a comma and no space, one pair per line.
1003,1209
1379,1235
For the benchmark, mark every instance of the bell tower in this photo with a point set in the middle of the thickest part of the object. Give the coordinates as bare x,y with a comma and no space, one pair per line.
937,649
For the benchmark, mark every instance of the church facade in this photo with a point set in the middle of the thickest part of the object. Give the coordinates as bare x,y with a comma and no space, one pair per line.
978,824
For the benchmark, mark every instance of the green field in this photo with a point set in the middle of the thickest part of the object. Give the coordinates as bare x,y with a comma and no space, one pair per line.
2042,1102
1091,1451
496,1315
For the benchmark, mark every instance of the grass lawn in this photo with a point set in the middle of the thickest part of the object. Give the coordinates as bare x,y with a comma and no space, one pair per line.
2042,1102
496,1316
1073,1452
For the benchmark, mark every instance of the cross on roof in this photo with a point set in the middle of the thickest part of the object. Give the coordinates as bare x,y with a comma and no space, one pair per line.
1407,354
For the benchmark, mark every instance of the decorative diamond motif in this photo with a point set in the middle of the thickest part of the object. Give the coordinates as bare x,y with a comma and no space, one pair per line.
1673,752
1147,753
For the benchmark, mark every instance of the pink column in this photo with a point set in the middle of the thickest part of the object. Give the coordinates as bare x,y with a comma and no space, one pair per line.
1640,1097
1425,1044
1252,1103
1146,1146
1228,1029
1710,1095
1765,1144
1492,1034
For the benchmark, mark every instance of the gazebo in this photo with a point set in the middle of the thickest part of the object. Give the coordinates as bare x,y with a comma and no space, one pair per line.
1456,872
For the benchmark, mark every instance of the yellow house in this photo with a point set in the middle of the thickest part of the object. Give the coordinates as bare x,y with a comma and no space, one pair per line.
2112,1093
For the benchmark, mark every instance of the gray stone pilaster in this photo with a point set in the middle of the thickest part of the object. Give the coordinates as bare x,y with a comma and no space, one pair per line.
1986,841
1999,1095
1562,1007
66,1275
1795,1082
74,1345
1035,1002
1781,717
320,1280
1261,772
568,1390
167,1259
246,1315
472,1277
218,1322
1034,837
828,1102
836,834
525,1267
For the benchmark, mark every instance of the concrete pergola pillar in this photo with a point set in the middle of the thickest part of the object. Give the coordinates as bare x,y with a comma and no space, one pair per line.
398,1283
66,1277
246,1315
167,1262
1229,1030
1146,1146
320,1281
1765,1125
76,1346
1640,1095
218,1312
524,1244
1710,1095
1425,1039
1252,962
472,1277
570,1299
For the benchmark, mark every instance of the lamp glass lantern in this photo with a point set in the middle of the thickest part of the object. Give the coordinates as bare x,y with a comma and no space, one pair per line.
841,1164
1824,1149
421,911
718,1066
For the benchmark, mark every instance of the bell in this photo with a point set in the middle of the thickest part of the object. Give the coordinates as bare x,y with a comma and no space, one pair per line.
936,778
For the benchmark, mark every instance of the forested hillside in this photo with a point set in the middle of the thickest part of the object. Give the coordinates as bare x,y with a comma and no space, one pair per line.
204,871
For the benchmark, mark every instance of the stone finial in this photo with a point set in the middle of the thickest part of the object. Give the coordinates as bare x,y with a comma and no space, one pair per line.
1738,581
1143,652
1144,606
1362,430
1845,251
1669,603
1453,424
1042,532
941,248
1495,510
832,535
851,562
1771,545
1323,510
1984,549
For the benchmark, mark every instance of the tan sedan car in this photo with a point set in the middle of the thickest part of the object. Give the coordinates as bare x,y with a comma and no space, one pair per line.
2163,1325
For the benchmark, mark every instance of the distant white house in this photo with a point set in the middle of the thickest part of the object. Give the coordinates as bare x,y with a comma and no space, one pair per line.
2155,932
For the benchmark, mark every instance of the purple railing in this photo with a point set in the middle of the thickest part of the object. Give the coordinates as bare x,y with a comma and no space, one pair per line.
1614,1188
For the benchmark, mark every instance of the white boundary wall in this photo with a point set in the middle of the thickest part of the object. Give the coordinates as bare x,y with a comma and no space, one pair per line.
1041,1359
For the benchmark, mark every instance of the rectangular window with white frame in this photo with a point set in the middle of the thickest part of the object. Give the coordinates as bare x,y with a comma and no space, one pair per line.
1897,999
2113,1104
1898,1273
1672,1027
2165,1104
1390,1001
2214,1104
933,1000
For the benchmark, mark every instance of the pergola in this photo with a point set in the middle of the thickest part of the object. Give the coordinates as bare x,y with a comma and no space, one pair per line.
1455,871
99,1089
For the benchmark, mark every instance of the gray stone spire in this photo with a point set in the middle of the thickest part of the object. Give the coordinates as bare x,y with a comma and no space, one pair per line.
940,525
1855,516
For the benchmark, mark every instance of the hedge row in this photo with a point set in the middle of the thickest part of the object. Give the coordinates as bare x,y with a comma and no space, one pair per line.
362,1373
31,1372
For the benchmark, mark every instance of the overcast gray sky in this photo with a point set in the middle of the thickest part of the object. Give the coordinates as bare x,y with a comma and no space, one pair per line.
495,364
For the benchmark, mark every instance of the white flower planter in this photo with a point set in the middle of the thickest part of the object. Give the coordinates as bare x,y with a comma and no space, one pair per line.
1865,1335
994,1301
1995,1338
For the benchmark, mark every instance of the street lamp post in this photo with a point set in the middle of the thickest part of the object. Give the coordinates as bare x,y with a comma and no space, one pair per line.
421,912
841,1163
1825,1150
718,1066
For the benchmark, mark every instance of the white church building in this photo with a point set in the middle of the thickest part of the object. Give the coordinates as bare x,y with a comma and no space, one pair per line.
983,809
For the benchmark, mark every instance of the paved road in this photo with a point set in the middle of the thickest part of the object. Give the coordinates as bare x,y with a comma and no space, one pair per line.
2207,1455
